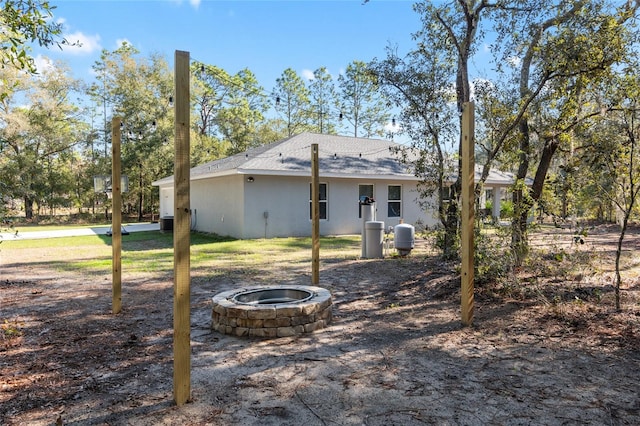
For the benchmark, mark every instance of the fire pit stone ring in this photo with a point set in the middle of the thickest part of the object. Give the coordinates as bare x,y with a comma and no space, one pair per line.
271,311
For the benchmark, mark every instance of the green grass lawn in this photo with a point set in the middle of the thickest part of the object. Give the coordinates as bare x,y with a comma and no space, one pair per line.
152,251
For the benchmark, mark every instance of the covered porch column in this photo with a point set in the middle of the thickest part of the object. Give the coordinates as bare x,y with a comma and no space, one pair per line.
497,197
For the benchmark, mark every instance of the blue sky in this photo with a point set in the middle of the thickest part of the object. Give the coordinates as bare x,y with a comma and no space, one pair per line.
266,36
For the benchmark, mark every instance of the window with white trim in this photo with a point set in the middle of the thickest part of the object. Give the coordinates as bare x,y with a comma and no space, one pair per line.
394,201
323,204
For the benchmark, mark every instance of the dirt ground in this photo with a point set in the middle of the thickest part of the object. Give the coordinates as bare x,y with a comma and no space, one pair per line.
550,350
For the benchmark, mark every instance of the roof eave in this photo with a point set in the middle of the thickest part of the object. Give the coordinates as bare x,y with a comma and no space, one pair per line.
307,173
170,180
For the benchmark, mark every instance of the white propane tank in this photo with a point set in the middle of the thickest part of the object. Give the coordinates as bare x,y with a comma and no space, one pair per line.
404,238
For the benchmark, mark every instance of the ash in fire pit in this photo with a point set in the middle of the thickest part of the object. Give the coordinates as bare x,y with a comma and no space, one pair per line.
271,311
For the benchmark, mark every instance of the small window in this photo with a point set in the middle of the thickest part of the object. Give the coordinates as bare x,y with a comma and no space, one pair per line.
323,202
364,191
394,201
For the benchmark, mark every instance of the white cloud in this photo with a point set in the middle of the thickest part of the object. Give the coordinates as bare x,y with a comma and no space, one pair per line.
43,64
514,61
121,41
85,44
390,127
308,74
194,3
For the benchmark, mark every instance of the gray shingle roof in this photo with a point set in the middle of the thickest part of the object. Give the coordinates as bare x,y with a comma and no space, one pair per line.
339,156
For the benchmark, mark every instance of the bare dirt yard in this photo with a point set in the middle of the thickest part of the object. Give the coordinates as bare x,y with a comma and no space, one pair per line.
548,348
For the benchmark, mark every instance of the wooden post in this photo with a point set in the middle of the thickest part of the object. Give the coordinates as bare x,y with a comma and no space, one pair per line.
468,201
116,218
181,235
315,216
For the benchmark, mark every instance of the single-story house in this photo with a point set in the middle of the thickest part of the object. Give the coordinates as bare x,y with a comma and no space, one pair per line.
266,191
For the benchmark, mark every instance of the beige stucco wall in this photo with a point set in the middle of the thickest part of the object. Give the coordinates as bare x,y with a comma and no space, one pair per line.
217,206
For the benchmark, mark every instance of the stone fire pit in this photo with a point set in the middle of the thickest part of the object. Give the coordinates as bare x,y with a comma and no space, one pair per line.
272,311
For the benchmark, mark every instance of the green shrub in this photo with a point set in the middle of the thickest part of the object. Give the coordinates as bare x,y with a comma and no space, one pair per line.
493,260
506,209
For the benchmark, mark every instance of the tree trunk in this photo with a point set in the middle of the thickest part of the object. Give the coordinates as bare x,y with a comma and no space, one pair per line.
140,196
519,245
523,204
28,208
633,194
550,147
450,243
623,230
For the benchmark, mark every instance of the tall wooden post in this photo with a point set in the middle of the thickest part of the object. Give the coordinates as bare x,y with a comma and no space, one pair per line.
181,235
116,218
468,201
315,216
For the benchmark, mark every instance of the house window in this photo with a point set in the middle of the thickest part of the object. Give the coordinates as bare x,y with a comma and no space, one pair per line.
323,202
366,191
394,201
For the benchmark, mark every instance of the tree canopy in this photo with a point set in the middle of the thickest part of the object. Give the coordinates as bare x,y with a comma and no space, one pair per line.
24,22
